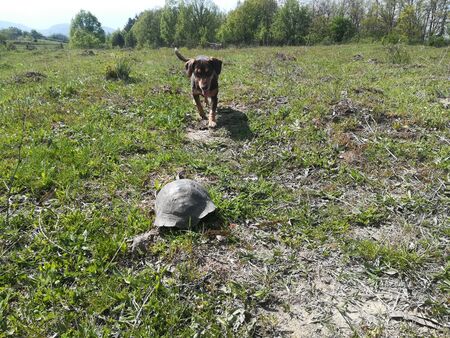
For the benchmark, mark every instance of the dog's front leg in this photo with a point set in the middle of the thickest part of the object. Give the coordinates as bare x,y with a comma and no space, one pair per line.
212,112
199,106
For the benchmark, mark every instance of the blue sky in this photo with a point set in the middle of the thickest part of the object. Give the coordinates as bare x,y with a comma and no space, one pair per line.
41,14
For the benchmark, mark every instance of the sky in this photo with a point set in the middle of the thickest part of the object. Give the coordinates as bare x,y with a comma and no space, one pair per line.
41,14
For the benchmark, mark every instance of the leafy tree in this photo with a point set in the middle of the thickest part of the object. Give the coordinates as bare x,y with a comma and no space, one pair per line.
319,30
291,23
206,18
197,22
147,29
250,22
86,31
342,29
169,18
36,35
84,39
409,25
371,25
117,39
388,14
3,38
12,33
130,40
130,24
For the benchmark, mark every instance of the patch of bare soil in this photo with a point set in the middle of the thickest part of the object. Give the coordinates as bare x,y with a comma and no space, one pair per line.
374,61
29,77
205,136
344,108
166,89
284,57
232,125
445,102
361,90
307,292
87,52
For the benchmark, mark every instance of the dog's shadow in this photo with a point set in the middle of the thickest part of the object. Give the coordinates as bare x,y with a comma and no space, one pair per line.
235,122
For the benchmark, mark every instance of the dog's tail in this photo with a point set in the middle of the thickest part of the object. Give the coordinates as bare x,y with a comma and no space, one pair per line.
181,57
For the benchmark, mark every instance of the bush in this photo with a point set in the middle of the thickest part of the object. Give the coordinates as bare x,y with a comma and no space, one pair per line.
120,70
397,54
117,39
10,46
394,38
342,29
438,41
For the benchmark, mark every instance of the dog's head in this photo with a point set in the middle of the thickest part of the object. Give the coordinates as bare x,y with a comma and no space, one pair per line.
203,69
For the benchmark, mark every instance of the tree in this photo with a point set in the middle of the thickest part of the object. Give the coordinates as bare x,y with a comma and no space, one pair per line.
319,30
86,31
169,18
130,40
147,29
250,22
291,23
388,14
408,24
36,35
12,33
372,25
117,39
3,38
130,24
197,22
342,29
84,39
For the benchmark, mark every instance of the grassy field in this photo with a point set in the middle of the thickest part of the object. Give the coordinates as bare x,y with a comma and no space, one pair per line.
329,168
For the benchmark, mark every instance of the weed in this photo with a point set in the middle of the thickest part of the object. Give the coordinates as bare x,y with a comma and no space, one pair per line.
120,70
397,54
380,257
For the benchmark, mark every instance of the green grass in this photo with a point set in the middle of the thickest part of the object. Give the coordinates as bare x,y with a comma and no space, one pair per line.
81,157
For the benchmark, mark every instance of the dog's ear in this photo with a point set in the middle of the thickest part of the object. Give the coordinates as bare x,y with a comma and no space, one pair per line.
189,65
217,65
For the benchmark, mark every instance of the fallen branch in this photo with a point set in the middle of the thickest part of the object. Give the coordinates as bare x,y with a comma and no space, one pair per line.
418,320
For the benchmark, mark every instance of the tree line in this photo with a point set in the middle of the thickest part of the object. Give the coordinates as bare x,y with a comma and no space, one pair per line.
193,23
288,22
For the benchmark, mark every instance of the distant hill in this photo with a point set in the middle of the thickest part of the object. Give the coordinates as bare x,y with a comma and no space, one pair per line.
7,24
62,28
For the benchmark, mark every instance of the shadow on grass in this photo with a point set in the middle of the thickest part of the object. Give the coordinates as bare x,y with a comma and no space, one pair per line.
235,122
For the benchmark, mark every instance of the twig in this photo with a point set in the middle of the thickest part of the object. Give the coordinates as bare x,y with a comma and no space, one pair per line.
41,229
395,157
115,254
349,323
443,55
147,296
423,321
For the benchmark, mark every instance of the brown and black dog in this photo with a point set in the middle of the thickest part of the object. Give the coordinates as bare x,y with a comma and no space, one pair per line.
204,73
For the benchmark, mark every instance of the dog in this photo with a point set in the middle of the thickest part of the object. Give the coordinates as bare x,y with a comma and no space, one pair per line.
204,74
